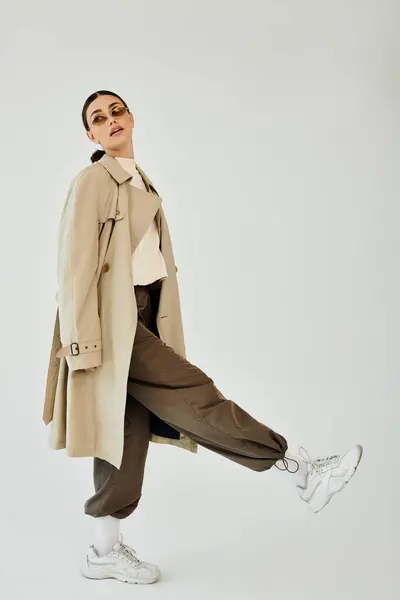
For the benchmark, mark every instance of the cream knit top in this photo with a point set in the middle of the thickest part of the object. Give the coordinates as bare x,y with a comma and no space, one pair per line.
148,263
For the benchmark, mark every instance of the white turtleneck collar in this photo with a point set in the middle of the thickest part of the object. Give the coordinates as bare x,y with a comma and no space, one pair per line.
129,164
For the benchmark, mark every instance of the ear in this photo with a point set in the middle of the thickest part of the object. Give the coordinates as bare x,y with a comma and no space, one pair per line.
91,137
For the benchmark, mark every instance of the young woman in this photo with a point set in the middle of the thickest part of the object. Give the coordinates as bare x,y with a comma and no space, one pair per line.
118,374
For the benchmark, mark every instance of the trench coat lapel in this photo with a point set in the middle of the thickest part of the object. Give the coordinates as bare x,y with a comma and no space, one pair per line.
142,208
150,188
142,205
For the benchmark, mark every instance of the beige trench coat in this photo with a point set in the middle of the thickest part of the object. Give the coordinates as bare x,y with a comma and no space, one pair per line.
103,220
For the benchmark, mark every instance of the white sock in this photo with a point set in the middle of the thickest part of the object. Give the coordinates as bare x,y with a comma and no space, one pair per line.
294,466
106,534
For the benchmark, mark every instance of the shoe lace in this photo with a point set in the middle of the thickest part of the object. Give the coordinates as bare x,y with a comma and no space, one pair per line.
128,553
318,465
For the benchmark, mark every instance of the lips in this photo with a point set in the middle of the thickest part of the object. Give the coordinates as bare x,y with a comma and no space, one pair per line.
116,130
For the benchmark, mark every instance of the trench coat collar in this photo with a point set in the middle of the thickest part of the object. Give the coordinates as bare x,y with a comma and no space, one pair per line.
141,205
120,175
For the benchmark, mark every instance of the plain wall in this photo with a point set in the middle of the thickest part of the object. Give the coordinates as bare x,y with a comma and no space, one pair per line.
271,131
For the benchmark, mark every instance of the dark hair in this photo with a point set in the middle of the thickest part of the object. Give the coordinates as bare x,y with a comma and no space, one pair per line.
97,154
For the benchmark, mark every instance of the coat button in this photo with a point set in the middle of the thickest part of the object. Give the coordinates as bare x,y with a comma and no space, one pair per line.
106,268
176,268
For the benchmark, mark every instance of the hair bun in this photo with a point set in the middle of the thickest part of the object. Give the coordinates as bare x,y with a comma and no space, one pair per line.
97,155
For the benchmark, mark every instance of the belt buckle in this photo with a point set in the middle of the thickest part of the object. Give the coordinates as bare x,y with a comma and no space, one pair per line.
75,346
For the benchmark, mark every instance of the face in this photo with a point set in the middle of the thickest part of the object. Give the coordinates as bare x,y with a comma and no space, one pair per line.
104,115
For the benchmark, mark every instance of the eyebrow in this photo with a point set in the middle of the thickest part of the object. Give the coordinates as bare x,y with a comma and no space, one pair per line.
99,109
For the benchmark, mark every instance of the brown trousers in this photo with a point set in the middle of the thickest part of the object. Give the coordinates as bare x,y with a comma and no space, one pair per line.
163,384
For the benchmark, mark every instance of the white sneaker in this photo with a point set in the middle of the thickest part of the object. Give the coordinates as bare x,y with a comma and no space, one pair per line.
326,476
121,563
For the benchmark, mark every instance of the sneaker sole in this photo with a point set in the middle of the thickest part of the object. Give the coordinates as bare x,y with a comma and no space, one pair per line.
350,475
98,574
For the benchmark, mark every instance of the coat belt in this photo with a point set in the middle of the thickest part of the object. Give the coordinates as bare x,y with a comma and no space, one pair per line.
83,348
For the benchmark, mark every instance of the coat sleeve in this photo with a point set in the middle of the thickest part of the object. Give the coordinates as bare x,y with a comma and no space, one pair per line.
77,261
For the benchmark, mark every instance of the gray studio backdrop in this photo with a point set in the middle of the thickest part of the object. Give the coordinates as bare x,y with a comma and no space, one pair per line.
271,130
